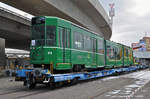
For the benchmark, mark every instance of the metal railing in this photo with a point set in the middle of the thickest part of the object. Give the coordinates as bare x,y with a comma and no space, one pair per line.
15,13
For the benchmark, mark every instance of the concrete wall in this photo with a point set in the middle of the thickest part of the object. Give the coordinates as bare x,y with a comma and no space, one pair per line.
2,53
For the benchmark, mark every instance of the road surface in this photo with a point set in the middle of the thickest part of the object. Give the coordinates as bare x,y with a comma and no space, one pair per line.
135,85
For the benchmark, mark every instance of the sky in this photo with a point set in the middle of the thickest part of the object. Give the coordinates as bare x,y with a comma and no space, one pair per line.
131,21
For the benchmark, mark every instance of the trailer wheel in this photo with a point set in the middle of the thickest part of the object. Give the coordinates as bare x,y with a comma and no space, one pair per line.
30,86
47,85
31,83
25,83
75,81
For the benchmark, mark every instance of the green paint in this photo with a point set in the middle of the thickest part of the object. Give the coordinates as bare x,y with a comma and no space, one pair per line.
57,43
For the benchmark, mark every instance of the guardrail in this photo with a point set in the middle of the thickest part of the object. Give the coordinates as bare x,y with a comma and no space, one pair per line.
14,13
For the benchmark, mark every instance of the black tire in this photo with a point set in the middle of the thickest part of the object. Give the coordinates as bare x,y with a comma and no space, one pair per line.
52,86
47,85
75,81
25,83
31,85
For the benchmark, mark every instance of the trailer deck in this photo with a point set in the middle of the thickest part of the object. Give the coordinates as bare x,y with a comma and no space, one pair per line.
32,76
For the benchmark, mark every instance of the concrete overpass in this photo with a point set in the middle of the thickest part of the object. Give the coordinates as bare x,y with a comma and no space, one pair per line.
15,29
87,13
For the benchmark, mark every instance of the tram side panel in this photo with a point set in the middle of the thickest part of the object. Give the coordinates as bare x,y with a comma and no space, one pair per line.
114,54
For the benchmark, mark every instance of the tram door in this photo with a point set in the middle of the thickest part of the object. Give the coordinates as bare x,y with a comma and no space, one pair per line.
94,52
64,40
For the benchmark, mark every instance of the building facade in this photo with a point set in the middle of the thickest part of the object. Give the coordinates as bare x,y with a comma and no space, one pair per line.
141,51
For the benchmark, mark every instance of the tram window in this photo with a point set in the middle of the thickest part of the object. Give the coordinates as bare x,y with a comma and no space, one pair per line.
78,40
82,40
65,38
50,35
38,34
87,43
100,46
59,36
127,52
68,36
118,53
111,51
130,54
62,38
94,44
38,20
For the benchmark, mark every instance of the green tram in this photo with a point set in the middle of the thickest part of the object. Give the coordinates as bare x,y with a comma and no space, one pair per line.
58,44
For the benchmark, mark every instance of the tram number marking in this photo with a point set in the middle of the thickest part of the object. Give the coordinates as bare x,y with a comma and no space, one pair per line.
49,53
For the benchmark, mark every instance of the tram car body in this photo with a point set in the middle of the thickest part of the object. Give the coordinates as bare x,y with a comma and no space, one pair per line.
114,57
63,45
118,55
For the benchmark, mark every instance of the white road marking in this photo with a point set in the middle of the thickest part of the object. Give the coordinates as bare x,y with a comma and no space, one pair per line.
128,91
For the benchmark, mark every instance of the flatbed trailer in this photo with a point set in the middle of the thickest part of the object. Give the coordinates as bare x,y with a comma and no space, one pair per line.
31,77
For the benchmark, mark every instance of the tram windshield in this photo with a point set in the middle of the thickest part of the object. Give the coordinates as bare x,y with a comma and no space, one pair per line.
42,34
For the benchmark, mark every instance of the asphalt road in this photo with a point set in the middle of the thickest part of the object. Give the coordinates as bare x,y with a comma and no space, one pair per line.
135,85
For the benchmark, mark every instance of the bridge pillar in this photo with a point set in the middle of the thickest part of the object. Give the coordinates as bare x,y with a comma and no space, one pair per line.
2,54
